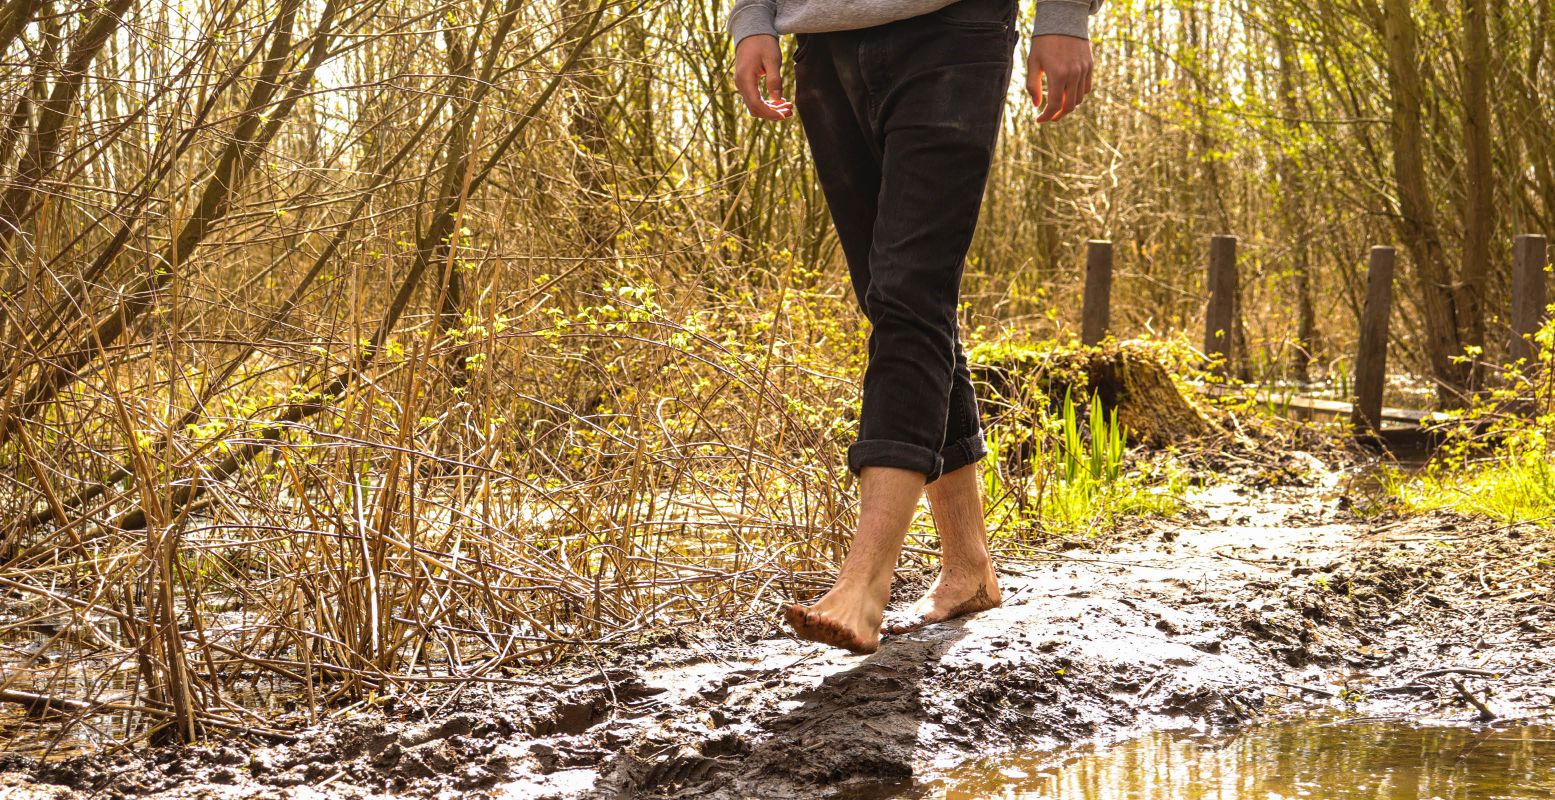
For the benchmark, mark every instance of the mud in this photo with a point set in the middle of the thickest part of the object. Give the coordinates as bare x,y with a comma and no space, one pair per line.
1259,604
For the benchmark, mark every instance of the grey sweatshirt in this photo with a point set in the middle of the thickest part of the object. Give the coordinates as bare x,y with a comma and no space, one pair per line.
774,17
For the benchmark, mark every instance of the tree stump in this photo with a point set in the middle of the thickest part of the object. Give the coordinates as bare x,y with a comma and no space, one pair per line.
1149,405
1130,378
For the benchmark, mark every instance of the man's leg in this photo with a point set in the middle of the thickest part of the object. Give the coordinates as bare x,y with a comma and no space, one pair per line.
832,102
967,582
963,424
934,165
939,128
937,88
849,615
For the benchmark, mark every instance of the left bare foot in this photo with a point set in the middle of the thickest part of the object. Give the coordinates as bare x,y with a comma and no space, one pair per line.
955,593
847,617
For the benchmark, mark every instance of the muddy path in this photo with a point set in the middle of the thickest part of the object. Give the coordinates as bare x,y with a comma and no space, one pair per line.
1255,605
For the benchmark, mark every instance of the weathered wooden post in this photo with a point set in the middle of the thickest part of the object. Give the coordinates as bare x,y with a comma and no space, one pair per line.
1096,314
1220,315
1371,358
1528,294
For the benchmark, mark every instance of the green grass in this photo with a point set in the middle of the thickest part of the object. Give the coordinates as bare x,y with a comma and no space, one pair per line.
1513,487
1074,481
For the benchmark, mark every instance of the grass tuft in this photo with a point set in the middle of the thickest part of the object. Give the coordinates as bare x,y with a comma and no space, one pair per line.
1512,487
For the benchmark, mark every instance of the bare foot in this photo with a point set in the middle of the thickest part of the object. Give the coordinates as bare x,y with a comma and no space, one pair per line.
844,619
955,593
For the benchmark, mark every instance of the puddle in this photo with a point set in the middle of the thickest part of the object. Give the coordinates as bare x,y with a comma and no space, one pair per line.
1322,760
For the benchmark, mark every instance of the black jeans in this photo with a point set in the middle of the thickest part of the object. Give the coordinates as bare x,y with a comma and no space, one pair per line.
901,120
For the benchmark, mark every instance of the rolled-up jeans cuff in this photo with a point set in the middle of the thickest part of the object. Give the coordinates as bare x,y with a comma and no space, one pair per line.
962,452
888,453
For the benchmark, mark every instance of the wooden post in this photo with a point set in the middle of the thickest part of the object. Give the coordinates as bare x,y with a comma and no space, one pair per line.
1096,314
1528,295
1371,358
1220,315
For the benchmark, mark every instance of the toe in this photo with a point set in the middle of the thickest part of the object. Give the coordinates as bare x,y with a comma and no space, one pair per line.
837,634
817,627
794,615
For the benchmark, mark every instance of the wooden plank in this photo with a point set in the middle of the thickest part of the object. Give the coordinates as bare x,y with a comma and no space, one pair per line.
1339,408
1220,314
1371,358
1095,316
1308,407
1529,292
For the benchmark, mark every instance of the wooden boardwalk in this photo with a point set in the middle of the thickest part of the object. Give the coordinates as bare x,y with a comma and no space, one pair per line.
1317,408
1401,429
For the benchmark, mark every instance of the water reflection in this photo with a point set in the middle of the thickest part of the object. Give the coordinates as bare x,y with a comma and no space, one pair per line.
1322,760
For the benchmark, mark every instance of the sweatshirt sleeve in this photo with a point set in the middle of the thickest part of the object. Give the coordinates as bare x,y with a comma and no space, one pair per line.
1064,17
750,17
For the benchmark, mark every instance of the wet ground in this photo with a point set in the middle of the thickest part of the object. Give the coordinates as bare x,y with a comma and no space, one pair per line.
1260,606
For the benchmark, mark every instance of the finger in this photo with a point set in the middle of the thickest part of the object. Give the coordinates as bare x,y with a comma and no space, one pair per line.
1057,98
1071,95
782,108
746,83
1087,93
1062,93
1051,99
1034,87
774,71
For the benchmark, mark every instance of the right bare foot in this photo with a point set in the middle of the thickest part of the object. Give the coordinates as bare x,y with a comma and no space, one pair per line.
955,593
842,619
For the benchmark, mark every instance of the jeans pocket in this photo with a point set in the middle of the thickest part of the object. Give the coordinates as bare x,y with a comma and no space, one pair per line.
979,14
801,46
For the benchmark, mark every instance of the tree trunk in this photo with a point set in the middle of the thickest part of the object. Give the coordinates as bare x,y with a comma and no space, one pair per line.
586,123
1292,201
1479,182
1416,218
53,114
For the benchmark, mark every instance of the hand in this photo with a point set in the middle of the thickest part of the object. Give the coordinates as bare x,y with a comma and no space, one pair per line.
1066,63
757,59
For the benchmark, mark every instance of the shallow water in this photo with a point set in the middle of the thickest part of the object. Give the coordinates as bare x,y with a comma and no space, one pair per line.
1324,760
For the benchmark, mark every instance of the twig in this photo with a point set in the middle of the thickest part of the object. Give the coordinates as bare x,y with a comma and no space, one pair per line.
1278,562
39,704
1437,673
1485,714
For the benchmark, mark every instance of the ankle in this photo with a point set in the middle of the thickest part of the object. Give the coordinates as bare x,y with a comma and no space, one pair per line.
867,588
966,564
